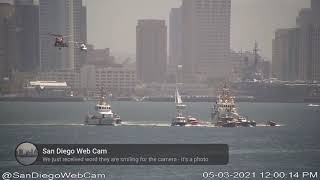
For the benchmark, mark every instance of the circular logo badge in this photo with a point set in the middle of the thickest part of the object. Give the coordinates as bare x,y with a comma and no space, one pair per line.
26,153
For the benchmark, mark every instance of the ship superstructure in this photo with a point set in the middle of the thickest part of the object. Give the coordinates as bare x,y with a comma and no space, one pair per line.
103,114
224,112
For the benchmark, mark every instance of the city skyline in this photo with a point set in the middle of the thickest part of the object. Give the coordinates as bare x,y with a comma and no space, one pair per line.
246,26
200,33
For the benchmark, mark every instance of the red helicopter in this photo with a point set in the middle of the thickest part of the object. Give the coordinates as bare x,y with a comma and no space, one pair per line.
59,40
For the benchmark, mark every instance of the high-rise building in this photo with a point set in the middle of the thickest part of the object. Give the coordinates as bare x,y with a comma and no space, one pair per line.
315,42
60,17
8,60
285,55
175,37
83,33
304,21
206,37
151,52
296,51
315,55
315,6
27,22
309,55
78,35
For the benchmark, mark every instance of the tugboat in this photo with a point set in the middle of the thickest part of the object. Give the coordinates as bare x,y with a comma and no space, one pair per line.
103,114
224,112
179,120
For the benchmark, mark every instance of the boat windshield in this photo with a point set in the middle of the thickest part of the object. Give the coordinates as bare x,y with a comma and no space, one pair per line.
102,107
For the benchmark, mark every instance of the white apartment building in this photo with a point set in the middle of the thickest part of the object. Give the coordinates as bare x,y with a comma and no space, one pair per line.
116,80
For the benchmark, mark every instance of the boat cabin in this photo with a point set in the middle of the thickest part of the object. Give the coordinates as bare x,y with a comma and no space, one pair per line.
100,107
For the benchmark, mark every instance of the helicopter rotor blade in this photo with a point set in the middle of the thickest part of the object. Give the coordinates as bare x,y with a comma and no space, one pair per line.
56,35
59,35
67,36
77,42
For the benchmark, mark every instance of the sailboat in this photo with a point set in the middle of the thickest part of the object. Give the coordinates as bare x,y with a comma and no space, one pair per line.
178,101
179,120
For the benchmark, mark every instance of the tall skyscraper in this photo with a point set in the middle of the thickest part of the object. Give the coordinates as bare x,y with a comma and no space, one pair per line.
304,20
315,6
151,52
206,37
8,51
27,22
83,33
59,17
77,32
175,37
296,51
309,53
285,54
315,42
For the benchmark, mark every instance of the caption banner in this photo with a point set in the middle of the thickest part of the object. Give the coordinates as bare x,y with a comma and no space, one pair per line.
132,154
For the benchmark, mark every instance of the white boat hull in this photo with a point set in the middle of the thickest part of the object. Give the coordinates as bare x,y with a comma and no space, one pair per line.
178,124
101,121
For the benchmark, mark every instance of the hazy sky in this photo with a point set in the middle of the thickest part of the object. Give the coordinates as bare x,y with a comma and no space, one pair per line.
112,23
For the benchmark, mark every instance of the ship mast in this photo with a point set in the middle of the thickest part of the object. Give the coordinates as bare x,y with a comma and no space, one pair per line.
102,100
256,57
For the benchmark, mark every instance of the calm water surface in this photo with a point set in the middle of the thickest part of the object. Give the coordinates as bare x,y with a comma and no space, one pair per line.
294,146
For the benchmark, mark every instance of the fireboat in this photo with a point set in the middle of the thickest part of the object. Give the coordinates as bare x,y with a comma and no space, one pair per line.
224,112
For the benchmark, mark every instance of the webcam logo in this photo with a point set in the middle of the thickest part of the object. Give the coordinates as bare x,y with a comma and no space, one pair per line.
26,153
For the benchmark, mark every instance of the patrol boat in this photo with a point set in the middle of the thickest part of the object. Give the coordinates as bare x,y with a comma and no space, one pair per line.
103,115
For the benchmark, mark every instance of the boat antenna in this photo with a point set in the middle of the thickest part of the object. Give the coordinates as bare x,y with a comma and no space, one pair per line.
256,56
102,98
175,96
225,84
